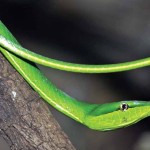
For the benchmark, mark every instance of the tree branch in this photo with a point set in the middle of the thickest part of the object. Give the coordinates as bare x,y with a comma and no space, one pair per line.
25,120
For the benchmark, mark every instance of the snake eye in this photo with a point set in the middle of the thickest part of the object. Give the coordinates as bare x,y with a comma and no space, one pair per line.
124,106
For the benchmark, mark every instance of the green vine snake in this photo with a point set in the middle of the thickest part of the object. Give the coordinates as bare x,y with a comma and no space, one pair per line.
100,117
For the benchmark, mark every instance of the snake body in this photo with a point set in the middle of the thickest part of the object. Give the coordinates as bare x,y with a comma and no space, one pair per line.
72,67
100,117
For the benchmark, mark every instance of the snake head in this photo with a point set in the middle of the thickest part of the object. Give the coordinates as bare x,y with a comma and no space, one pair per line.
116,115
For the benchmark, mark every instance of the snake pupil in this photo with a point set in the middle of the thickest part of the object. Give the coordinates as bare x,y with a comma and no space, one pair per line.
124,107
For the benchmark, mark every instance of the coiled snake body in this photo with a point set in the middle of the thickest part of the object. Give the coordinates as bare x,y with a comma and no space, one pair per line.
101,117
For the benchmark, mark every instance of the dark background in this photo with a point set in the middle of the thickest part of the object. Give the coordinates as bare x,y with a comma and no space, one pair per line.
89,32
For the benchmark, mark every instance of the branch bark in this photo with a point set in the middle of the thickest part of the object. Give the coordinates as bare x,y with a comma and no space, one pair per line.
25,120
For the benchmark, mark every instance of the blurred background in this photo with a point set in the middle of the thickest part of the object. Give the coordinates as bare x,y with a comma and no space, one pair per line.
89,32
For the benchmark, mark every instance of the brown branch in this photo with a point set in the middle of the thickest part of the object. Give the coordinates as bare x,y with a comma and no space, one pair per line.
25,120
